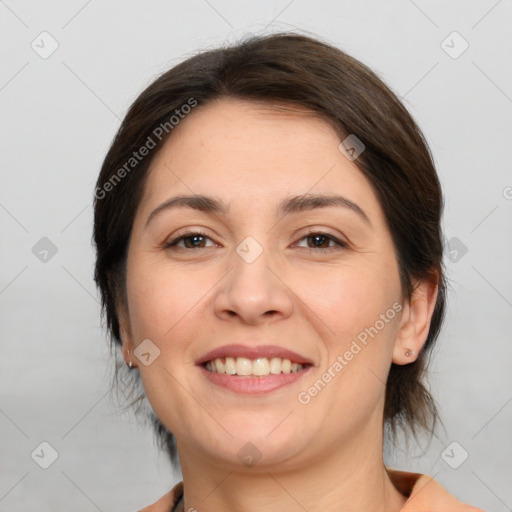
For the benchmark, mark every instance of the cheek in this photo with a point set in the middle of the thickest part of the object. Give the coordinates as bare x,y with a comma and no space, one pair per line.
358,311
359,308
161,299
166,306
349,299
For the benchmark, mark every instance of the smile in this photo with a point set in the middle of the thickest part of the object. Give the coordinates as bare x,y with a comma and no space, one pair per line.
260,367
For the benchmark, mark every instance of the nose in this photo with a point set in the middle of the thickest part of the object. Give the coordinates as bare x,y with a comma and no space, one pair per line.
253,293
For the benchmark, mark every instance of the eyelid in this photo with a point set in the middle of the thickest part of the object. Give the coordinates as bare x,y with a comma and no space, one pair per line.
339,242
178,237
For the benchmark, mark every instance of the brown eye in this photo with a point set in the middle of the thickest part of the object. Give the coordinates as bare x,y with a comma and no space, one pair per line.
190,241
318,241
321,241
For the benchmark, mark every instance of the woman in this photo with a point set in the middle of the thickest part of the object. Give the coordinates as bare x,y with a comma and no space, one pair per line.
269,255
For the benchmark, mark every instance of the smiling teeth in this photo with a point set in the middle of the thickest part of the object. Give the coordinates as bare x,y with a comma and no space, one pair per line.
258,367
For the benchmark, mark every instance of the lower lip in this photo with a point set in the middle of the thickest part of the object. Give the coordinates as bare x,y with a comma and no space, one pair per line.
253,385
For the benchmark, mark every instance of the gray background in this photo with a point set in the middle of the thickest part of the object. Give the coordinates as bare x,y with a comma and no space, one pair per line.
59,115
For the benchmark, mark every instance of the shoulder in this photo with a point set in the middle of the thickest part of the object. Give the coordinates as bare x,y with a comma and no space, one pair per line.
167,502
425,494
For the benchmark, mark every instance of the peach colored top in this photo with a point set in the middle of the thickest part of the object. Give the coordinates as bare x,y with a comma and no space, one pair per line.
423,492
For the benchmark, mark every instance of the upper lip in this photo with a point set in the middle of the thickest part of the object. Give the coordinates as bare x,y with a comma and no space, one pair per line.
253,352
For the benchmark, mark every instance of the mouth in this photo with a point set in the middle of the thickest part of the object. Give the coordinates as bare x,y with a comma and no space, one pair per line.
260,367
253,369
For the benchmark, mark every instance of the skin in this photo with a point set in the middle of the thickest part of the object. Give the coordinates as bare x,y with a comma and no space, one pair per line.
323,455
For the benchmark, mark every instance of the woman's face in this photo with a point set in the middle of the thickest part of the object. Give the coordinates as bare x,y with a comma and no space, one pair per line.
277,264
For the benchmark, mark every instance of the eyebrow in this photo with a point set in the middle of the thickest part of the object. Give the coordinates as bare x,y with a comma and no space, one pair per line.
310,202
196,202
288,206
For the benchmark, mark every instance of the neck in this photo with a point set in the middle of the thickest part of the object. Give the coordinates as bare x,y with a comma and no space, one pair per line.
343,479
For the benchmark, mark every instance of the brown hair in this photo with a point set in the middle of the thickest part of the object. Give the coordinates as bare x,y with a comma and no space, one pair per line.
292,69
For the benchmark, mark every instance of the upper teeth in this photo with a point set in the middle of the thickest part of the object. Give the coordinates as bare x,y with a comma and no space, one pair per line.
244,366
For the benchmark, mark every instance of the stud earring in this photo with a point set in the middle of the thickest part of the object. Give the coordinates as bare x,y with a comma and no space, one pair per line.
409,353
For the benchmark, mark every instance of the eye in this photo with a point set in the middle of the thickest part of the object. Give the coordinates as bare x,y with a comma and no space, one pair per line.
322,241
191,240
198,240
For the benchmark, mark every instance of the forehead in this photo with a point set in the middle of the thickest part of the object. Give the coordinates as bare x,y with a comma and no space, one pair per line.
238,149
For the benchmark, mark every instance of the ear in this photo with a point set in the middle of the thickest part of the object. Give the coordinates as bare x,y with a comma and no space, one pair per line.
415,322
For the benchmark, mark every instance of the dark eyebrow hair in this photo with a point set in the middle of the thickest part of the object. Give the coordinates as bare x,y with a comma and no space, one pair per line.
292,204
197,202
310,201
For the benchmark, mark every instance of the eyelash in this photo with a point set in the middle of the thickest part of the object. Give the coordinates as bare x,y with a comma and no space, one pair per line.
190,234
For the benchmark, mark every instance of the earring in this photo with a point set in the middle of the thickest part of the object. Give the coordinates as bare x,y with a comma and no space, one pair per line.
130,364
409,353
